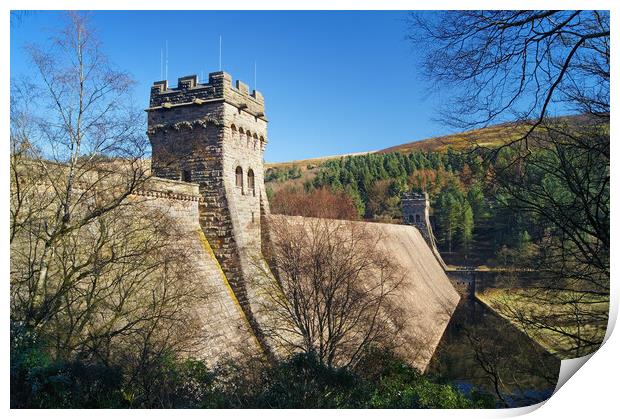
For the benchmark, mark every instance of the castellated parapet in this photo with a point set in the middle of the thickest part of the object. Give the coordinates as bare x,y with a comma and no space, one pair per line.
214,135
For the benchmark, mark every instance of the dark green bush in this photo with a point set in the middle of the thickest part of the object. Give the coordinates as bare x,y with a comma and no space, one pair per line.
381,380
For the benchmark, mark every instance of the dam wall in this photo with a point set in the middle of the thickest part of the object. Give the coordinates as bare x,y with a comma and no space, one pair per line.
425,296
226,332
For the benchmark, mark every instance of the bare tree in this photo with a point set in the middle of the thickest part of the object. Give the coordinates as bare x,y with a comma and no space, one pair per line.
96,270
526,66
517,64
79,122
333,291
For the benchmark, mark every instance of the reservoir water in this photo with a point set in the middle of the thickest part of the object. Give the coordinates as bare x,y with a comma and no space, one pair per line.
483,352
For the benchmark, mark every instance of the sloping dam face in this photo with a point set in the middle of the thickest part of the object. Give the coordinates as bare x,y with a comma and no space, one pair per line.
426,295
225,332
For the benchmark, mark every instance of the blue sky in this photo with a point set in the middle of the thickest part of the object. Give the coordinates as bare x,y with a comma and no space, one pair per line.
334,82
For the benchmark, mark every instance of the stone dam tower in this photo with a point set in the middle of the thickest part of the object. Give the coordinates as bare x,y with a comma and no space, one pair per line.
208,140
214,135
415,208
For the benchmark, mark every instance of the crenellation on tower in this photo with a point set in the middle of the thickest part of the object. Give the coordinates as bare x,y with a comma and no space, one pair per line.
214,135
242,87
159,87
190,92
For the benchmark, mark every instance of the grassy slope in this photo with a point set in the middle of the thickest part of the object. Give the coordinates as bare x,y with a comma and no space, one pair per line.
489,137
313,161
513,304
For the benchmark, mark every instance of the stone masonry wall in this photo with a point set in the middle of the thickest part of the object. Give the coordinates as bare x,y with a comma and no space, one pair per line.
201,133
225,329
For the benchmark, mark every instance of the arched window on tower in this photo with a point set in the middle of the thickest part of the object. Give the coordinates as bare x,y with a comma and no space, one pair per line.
417,218
239,178
233,133
251,182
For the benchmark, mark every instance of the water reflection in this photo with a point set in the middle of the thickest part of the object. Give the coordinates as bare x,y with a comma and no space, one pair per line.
482,351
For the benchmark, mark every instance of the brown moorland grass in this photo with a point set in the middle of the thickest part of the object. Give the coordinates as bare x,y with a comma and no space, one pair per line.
488,137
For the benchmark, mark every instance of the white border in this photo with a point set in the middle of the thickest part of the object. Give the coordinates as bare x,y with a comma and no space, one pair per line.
591,394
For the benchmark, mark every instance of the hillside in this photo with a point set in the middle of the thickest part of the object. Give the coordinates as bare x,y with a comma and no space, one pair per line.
488,137
315,160
296,173
470,226
491,136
